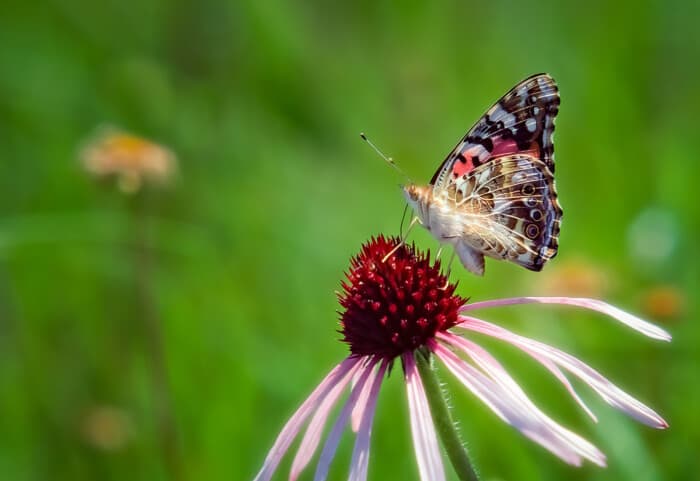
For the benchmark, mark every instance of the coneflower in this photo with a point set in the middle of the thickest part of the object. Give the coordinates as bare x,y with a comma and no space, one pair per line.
405,308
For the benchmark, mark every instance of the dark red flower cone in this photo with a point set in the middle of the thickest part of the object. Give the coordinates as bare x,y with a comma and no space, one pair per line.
397,305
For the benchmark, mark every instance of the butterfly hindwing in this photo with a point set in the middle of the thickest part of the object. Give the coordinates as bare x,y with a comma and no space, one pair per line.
522,121
510,211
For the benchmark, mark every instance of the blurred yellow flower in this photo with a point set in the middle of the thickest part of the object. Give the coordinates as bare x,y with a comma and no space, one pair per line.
134,160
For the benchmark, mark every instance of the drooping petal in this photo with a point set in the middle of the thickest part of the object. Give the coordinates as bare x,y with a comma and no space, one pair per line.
646,328
612,394
503,395
554,369
367,374
422,429
294,424
496,371
360,454
311,438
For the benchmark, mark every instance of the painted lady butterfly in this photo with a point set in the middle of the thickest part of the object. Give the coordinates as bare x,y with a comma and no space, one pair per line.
494,194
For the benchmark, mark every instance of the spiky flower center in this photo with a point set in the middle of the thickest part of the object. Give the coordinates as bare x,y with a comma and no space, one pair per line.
396,305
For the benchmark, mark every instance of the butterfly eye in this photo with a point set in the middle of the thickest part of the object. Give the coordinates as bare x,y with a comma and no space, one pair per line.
412,192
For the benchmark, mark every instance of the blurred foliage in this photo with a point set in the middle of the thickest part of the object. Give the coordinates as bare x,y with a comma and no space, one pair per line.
237,261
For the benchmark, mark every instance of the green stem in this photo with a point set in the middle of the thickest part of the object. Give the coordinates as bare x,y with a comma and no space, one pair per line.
142,259
443,420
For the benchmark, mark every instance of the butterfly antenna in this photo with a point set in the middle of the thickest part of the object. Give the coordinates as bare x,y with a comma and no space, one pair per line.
387,159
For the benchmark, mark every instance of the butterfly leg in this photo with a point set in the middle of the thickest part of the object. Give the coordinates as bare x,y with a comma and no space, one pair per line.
403,239
449,270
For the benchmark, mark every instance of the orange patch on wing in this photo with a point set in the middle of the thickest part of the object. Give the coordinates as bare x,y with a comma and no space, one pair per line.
460,168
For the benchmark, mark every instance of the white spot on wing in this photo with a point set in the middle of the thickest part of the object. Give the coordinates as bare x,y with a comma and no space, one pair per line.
531,124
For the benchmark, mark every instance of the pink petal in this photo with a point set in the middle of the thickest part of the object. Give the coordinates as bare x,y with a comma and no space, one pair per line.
356,416
367,374
422,428
612,394
309,443
503,395
629,320
360,454
292,427
496,371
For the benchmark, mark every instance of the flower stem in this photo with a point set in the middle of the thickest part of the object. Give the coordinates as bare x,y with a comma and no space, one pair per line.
443,420
142,260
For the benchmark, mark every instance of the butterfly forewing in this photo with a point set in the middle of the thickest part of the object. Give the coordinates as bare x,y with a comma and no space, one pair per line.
522,121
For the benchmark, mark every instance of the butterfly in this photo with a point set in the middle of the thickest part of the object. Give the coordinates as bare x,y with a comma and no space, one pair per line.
494,194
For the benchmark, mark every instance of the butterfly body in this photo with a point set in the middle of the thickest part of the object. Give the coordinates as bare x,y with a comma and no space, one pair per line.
494,195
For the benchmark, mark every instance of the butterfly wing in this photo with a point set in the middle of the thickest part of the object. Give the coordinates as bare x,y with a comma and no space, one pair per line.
522,121
509,210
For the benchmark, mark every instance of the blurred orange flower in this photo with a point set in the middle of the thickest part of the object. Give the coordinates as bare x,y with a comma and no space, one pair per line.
575,278
664,302
134,160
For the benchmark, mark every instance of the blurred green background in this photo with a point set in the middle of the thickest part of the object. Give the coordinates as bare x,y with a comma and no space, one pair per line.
170,334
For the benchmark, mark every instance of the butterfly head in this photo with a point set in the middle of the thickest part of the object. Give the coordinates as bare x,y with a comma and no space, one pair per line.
411,191
418,198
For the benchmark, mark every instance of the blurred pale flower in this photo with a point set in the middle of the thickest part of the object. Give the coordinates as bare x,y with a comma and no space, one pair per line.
106,427
405,309
664,302
578,278
132,159
652,237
